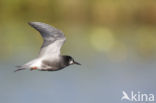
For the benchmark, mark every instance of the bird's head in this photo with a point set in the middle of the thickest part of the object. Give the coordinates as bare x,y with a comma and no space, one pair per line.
71,61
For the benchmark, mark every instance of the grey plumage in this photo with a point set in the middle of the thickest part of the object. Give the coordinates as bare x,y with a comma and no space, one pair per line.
49,33
49,58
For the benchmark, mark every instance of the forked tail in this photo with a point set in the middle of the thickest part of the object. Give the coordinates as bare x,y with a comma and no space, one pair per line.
19,68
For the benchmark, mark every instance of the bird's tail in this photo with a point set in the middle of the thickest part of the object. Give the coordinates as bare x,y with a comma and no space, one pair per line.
19,68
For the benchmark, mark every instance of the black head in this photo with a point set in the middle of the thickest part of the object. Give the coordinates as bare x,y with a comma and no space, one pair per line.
69,60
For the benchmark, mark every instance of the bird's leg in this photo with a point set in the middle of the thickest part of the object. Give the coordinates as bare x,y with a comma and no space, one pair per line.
33,68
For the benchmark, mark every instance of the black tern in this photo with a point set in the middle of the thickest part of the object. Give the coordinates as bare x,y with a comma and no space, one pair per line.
50,58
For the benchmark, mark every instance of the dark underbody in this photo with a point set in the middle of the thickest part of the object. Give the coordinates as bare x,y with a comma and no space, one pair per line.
57,65
52,69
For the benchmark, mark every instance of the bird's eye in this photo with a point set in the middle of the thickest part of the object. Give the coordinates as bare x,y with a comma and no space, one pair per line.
71,62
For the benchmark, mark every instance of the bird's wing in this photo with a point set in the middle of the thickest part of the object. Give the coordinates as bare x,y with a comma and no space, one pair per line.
53,39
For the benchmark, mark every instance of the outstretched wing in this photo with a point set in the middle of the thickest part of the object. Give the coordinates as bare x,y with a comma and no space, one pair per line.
53,39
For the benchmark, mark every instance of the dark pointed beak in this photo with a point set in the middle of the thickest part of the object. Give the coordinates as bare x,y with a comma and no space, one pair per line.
76,63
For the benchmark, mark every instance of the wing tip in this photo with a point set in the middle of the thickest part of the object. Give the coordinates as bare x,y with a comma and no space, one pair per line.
39,25
29,22
19,68
36,22
32,23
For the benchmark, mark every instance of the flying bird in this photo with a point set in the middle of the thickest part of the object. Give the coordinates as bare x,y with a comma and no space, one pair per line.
49,58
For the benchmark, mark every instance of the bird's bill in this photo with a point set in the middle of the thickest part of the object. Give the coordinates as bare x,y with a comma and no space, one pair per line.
76,63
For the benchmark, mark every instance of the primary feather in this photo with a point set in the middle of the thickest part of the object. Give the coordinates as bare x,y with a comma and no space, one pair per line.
53,39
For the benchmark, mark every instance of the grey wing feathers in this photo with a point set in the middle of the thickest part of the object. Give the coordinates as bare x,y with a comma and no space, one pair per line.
49,33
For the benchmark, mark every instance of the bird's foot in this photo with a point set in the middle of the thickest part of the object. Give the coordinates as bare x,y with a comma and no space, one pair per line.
33,68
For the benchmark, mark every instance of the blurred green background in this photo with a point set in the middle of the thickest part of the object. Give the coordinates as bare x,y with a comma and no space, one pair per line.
114,40
111,27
